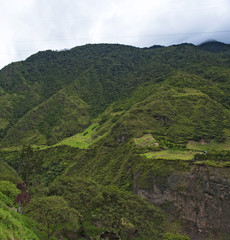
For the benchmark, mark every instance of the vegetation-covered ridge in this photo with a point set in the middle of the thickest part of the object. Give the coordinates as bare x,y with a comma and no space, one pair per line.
54,95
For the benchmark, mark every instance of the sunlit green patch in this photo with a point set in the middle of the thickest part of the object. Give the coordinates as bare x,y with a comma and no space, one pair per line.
81,140
209,145
146,140
214,163
170,155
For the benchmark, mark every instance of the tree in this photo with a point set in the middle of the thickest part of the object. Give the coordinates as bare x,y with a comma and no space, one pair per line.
22,186
52,212
10,191
22,199
30,165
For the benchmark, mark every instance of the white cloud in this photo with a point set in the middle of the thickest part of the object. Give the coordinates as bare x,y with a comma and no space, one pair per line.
32,25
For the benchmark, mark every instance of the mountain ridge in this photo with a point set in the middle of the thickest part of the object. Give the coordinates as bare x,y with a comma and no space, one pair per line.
106,75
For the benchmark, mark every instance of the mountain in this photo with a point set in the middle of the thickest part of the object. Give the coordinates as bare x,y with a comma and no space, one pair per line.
214,46
104,121
63,91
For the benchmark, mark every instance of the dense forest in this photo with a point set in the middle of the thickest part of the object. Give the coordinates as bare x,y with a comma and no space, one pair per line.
118,142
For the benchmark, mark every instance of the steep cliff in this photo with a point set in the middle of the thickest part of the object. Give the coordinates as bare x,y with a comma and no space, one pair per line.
199,196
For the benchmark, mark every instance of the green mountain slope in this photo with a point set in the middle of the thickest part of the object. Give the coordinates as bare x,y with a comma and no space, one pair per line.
60,116
39,96
8,173
105,121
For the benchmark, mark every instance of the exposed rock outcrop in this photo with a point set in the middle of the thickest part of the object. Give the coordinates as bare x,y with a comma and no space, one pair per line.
200,197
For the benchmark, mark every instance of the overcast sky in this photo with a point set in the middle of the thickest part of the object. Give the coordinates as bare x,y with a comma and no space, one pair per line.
29,26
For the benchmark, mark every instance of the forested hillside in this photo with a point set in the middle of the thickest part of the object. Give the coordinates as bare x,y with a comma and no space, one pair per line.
117,138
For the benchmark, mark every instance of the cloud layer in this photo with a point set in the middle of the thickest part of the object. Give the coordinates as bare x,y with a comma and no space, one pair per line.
28,26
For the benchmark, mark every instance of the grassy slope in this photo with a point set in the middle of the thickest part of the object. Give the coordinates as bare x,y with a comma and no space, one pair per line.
8,173
12,224
211,145
60,116
81,140
170,155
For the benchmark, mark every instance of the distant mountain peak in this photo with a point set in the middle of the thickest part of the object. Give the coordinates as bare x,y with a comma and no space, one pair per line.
214,46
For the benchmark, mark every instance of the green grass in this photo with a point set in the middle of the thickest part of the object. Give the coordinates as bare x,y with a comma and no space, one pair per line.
187,92
81,140
212,163
100,128
146,140
12,224
209,145
170,155
8,173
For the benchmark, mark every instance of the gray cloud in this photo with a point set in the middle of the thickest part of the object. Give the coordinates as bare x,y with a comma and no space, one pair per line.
29,26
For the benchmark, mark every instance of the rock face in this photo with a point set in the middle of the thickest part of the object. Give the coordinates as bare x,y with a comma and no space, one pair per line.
200,197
